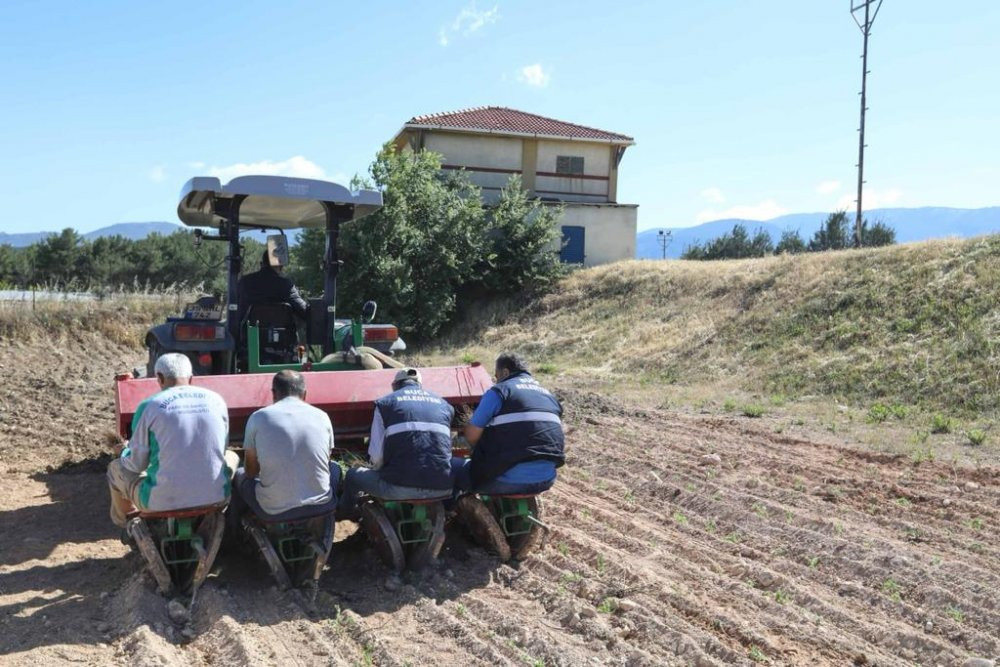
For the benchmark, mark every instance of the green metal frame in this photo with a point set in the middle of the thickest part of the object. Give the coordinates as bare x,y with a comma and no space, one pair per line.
515,516
180,538
293,549
253,352
413,526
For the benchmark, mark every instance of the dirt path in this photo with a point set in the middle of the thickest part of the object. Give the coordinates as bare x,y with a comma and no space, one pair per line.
677,540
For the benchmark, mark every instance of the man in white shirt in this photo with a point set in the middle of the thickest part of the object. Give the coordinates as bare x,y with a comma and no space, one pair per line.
176,457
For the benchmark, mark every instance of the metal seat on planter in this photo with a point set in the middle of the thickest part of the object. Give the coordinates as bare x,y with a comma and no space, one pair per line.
295,545
180,545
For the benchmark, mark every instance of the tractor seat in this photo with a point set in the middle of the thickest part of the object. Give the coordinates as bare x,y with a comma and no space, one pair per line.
183,513
271,314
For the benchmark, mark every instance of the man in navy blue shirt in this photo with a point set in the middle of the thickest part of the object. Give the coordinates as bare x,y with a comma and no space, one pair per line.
409,448
516,434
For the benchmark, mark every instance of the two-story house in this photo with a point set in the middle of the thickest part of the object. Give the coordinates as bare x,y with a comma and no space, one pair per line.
559,162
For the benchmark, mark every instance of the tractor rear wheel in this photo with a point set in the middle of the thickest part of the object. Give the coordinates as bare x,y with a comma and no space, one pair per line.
485,530
382,536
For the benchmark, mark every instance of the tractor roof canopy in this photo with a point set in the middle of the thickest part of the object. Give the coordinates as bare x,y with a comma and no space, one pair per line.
276,202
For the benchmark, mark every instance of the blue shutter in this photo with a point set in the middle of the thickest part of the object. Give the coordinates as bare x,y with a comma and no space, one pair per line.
572,245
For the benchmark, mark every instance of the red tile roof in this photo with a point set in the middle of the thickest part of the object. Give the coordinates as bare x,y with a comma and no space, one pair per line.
512,121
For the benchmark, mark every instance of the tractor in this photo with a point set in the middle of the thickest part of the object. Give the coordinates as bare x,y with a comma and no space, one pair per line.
349,362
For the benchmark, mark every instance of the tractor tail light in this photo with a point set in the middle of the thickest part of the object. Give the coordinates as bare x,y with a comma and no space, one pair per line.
205,360
381,333
193,332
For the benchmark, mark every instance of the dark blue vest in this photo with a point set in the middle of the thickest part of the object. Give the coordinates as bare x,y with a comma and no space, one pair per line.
527,428
417,449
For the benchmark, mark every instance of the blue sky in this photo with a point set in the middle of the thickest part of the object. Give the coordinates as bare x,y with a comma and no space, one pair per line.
738,108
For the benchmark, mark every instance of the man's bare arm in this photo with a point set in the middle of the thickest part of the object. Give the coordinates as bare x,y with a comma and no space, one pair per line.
250,463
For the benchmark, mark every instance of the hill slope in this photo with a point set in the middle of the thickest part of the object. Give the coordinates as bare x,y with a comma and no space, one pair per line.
911,224
913,324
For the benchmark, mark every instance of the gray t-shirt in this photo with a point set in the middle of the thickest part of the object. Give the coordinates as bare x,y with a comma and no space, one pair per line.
293,442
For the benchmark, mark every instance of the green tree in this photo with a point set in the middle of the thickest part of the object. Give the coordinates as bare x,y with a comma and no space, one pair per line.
521,243
790,243
735,244
877,234
834,234
59,258
307,261
414,253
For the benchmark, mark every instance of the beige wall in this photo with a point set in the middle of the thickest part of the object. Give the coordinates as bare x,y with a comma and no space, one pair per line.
609,230
596,162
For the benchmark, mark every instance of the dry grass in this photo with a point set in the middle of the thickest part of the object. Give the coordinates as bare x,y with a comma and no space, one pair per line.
121,318
913,324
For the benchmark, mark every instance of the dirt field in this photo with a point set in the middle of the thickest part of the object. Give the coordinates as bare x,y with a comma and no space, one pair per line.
678,539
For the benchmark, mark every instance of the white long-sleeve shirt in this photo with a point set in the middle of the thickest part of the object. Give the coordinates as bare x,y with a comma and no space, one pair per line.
376,441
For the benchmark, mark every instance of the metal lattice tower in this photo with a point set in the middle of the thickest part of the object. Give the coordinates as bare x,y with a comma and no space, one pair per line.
865,8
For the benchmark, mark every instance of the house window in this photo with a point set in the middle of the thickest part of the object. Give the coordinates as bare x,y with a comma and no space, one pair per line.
569,164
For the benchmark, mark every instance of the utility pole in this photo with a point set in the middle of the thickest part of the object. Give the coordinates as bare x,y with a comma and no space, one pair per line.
664,237
866,27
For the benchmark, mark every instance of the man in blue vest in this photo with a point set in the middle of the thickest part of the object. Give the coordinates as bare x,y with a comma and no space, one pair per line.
409,447
516,434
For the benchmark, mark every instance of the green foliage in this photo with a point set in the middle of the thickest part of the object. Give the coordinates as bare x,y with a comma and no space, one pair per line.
753,410
941,424
790,243
976,436
432,239
877,235
520,237
878,413
736,244
834,234
306,258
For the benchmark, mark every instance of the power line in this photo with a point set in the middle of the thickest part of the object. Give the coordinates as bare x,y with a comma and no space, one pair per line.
866,27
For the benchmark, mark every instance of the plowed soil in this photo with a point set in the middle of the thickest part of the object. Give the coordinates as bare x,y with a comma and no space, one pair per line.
676,539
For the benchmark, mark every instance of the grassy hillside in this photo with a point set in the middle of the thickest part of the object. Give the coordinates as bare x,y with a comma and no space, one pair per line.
914,325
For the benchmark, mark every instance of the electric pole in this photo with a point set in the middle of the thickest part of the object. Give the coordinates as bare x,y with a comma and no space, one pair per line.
664,237
857,8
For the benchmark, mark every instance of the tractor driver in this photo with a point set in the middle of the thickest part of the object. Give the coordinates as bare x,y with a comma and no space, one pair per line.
409,447
287,469
516,434
268,285
176,457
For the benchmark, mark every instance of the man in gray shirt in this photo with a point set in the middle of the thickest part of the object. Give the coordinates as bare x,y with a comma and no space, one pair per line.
287,471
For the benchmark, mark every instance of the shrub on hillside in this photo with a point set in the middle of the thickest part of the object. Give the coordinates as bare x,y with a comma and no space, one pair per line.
736,244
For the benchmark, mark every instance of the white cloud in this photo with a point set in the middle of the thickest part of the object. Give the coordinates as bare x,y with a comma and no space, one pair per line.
158,174
765,210
828,187
197,164
294,166
533,75
713,195
468,21
872,199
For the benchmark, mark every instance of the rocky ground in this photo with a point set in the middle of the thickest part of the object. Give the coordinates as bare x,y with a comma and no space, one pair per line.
677,539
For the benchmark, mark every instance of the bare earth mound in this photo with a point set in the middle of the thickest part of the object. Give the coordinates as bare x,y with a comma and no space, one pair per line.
677,540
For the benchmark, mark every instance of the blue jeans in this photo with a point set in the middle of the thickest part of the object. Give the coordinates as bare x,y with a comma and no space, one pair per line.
367,481
461,476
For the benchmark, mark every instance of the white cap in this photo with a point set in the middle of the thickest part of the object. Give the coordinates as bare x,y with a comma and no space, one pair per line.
404,374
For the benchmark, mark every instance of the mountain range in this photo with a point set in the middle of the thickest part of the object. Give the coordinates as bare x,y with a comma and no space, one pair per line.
911,224
130,230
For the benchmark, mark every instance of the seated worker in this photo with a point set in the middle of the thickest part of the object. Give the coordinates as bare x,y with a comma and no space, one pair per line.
286,448
516,434
176,457
268,285
409,447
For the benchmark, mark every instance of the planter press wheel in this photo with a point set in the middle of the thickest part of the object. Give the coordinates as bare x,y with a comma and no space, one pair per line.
485,530
420,554
382,536
522,546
